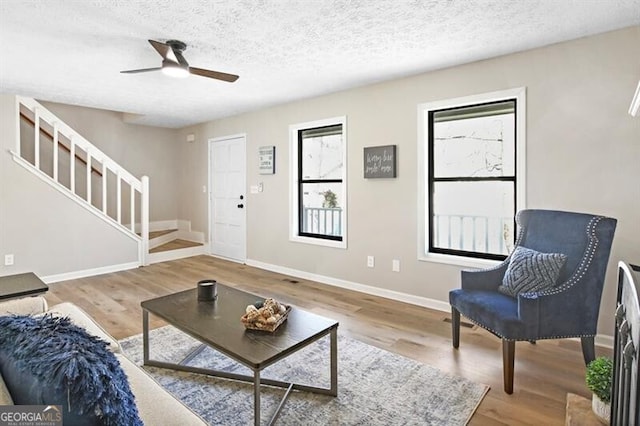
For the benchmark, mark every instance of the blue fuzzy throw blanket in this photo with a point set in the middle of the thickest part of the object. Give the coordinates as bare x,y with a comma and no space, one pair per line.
47,360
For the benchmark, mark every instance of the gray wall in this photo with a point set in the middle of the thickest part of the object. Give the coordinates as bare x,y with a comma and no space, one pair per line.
46,232
583,154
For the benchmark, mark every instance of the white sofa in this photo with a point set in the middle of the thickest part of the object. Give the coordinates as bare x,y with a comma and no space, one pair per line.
155,405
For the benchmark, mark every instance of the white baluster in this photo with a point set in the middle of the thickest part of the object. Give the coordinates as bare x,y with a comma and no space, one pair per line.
133,208
36,129
104,186
72,165
88,176
144,220
119,197
56,147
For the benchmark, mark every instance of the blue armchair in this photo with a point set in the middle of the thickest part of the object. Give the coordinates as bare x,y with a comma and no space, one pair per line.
567,308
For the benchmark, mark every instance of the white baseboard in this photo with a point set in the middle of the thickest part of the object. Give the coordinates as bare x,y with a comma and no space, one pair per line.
162,239
602,340
196,237
185,232
183,227
228,259
51,279
158,225
437,305
161,225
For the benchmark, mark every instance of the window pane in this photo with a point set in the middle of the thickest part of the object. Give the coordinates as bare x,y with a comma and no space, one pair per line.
321,210
477,146
322,154
473,216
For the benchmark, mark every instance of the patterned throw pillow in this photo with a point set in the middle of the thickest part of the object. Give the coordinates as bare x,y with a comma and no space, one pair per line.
48,360
531,271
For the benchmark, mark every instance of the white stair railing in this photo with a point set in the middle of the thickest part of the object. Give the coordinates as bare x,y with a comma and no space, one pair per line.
99,167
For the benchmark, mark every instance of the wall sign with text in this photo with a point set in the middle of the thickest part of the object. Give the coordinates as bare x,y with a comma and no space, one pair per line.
267,160
380,162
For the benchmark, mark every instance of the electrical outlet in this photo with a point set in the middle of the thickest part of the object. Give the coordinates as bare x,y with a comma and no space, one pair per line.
370,261
395,265
8,259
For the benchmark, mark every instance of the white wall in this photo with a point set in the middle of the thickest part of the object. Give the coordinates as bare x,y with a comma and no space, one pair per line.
48,234
583,154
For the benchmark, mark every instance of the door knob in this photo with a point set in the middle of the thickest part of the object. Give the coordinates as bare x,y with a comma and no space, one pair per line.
240,206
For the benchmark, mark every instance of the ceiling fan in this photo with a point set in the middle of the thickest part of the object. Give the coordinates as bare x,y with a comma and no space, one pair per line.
174,64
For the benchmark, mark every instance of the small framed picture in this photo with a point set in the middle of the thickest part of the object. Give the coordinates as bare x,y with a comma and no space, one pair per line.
267,160
380,162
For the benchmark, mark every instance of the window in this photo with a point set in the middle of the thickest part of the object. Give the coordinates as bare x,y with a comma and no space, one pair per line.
318,190
472,175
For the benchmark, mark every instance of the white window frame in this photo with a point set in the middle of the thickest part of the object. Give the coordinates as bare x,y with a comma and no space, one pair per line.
423,161
293,183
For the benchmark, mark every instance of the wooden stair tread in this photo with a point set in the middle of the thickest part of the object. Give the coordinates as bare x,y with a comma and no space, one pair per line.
174,245
156,234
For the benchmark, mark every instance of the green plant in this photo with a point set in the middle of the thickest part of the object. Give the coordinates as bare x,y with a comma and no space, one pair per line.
330,199
599,376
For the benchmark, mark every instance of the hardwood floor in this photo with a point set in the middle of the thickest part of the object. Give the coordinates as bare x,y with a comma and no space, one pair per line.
544,372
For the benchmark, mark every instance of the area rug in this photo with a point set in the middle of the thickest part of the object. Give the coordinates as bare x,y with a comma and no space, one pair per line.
375,387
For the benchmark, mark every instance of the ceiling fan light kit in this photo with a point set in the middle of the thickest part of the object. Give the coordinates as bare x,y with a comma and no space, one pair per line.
174,64
174,70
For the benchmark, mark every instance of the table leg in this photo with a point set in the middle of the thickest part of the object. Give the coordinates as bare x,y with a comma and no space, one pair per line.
334,361
145,336
256,397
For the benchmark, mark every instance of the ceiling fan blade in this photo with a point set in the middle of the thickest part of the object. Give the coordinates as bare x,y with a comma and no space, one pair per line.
140,70
161,48
214,74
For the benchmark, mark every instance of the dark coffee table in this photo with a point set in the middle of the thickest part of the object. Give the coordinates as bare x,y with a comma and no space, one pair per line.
217,324
21,285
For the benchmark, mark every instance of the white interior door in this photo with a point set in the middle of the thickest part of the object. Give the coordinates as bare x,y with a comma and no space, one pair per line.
227,205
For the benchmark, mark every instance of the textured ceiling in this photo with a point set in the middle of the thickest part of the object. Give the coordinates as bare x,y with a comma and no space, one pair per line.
72,51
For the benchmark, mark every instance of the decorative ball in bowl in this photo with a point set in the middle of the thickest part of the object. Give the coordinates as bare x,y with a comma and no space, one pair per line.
266,316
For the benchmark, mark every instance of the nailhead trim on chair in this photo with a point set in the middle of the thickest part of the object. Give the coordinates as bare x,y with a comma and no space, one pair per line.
533,338
587,258
521,232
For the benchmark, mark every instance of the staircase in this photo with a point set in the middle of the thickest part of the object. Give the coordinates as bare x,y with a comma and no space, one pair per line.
62,158
171,244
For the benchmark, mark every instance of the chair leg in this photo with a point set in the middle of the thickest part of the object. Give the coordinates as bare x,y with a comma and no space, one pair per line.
588,349
455,327
508,355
